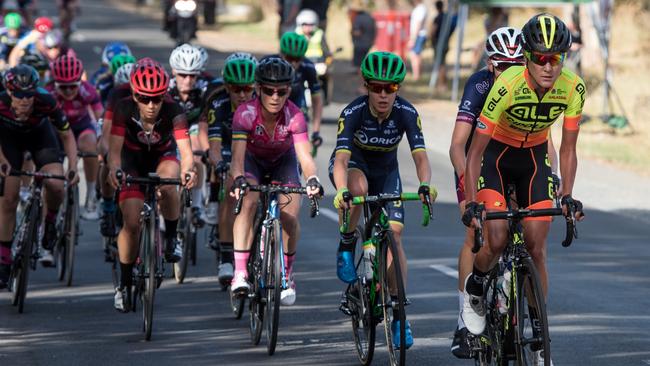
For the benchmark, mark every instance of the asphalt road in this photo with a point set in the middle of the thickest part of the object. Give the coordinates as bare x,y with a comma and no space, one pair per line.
598,302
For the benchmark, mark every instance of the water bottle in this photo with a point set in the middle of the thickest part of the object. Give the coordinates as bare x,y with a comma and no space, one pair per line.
368,258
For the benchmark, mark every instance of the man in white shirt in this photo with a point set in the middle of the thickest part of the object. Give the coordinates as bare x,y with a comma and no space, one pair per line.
417,35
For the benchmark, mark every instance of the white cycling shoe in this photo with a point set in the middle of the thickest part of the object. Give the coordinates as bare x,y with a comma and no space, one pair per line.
538,359
288,296
473,313
239,284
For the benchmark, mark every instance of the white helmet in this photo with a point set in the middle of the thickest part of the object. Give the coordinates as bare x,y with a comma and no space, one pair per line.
187,59
53,38
504,42
240,56
123,74
307,16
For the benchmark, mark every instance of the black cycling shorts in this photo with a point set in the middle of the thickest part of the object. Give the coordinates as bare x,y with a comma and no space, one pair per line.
529,169
140,164
41,141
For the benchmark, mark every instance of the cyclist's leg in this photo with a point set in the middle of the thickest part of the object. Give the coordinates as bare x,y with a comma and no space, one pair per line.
197,190
87,142
168,167
8,204
131,201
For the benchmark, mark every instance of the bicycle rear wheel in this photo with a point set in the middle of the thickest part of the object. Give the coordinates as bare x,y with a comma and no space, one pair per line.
532,326
70,234
185,232
20,270
393,307
273,284
149,260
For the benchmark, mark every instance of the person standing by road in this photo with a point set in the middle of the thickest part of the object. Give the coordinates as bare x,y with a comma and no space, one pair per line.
417,36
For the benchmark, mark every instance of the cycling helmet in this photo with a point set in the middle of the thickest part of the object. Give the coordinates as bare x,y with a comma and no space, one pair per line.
383,66
53,38
113,49
123,74
504,43
120,60
21,78
43,24
307,16
242,56
13,21
187,59
204,56
67,69
36,61
274,70
149,78
293,44
239,71
545,33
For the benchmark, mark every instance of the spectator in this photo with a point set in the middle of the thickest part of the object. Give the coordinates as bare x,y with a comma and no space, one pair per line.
436,32
497,17
320,7
417,35
288,11
364,31
318,49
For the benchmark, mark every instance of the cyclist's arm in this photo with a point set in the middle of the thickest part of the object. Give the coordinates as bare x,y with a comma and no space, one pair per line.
459,138
213,130
340,169
568,160
238,152
552,154
473,167
182,138
303,153
21,46
422,166
316,96
70,148
203,136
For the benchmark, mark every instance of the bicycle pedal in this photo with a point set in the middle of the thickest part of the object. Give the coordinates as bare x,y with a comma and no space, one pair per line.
345,309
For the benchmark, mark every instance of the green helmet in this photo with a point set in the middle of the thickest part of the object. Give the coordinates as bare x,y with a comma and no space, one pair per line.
119,60
383,66
239,71
293,44
13,21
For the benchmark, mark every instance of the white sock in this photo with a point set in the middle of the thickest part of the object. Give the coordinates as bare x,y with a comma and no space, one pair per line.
197,200
461,300
90,190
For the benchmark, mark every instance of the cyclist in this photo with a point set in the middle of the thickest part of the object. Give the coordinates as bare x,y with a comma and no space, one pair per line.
365,158
307,25
28,116
239,77
511,142
146,131
292,48
29,42
102,79
76,98
187,63
9,36
270,137
40,64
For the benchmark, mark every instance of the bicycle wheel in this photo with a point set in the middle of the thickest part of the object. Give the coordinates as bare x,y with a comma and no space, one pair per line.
255,275
192,245
359,301
150,285
26,244
530,315
70,234
392,306
490,348
184,230
273,285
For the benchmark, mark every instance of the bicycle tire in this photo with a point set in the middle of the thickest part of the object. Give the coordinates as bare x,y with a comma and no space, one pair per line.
71,233
493,350
150,277
255,274
192,247
396,356
529,296
363,320
236,304
273,284
22,277
180,267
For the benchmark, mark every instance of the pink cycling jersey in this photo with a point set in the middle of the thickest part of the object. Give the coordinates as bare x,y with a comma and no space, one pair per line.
76,110
247,125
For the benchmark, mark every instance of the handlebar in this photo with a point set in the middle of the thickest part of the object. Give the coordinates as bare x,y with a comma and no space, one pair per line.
37,175
154,180
272,188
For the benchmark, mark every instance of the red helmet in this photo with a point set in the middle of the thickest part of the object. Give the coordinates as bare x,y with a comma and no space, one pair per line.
43,24
67,69
149,78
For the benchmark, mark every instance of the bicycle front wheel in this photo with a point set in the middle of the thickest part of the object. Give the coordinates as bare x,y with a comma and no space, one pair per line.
71,234
393,305
363,322
150,282
532,326
273,284
180,267
20,271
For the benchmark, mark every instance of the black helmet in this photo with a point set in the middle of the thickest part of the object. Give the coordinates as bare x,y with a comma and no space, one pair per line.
545,33
274,70
21,78
36,61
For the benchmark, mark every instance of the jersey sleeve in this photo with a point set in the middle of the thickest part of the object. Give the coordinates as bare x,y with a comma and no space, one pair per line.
472,100
414,131
92,97
298,126
214,120
573,113
179,121
242,122
120,118
110,104
54,112
495,105
348,124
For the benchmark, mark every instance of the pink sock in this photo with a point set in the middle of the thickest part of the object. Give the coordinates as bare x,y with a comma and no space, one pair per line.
5,255
288,263
241,261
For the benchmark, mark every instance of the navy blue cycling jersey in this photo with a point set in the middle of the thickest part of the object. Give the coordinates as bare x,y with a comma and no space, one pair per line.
358,127
305,72
474,96
218,114
7,42
192,107
103,82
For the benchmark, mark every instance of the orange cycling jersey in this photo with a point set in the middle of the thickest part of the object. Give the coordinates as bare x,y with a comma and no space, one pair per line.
514,115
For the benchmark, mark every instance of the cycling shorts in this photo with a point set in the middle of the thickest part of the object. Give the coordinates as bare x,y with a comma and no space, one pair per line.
283,170
382,178
529,169
140,164
84,126
40,141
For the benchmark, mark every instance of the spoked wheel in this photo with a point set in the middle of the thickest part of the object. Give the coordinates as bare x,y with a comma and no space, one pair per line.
363,321
256,305
150,281
61,255
393,307
71,234
192,246
532,326
273,285
185,233
20,270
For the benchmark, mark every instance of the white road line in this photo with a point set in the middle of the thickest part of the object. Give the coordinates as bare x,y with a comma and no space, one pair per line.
330,214
446,270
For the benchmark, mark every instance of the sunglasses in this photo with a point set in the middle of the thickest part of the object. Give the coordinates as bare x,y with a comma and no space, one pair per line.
22,94
183,76
541,59
66,87
270,91
292,58
241,88
502,66
378,88
144,99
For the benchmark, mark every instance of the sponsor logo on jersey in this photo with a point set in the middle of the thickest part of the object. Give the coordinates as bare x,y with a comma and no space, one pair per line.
151,138
259,130
483,87
480,125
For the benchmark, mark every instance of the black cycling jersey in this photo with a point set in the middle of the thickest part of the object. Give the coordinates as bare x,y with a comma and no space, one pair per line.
44,108
219,114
